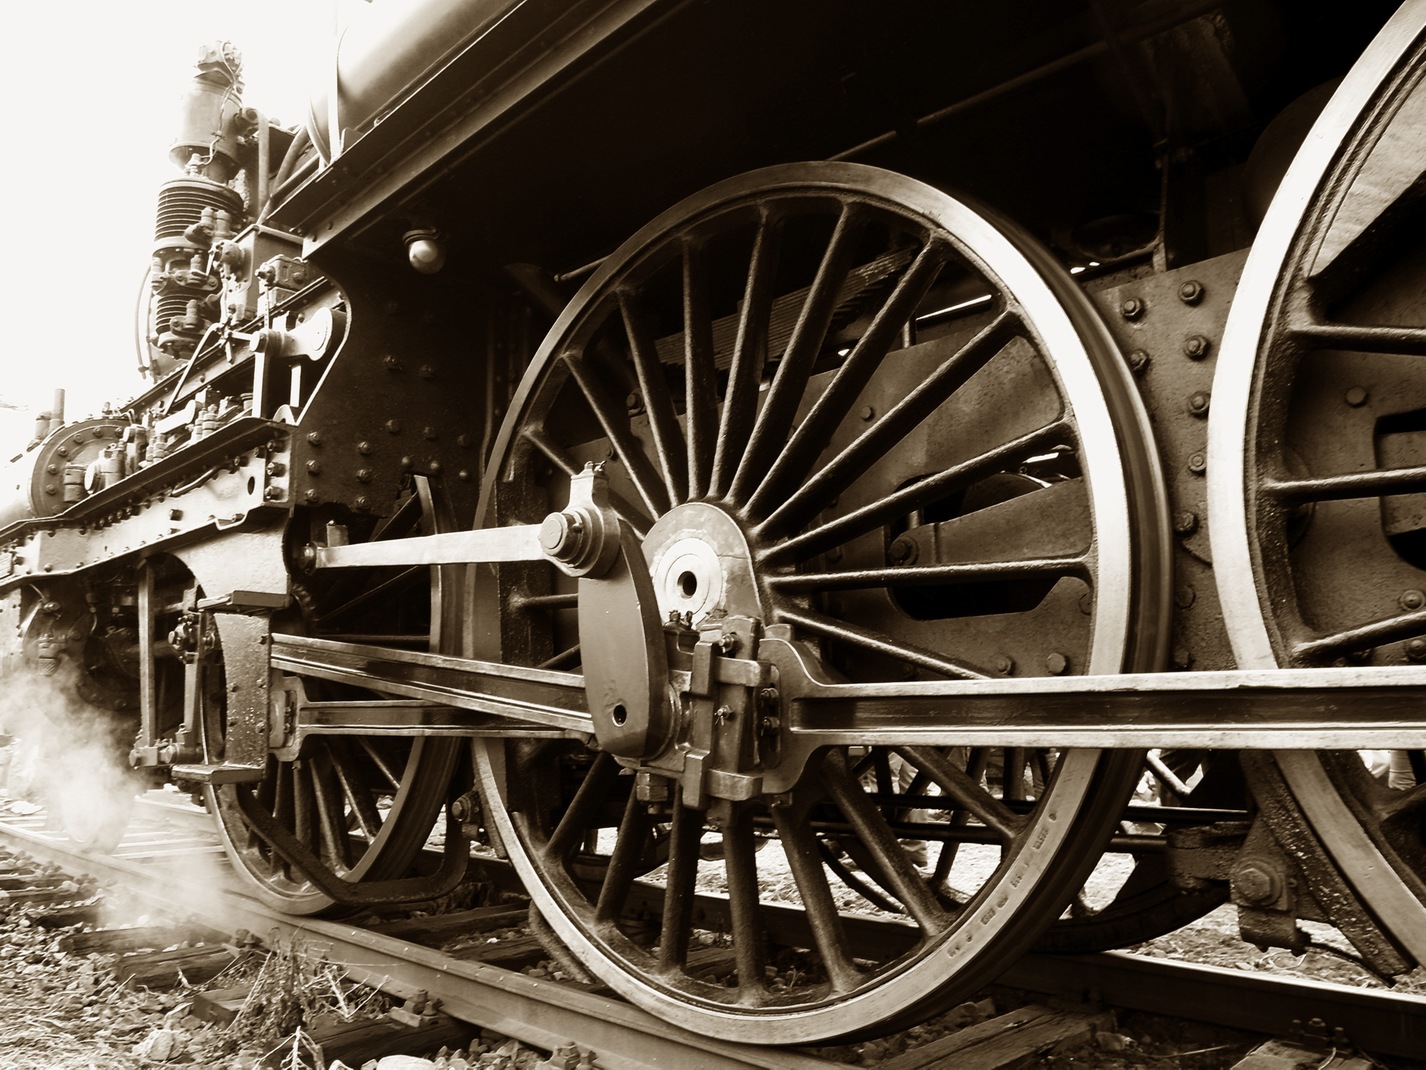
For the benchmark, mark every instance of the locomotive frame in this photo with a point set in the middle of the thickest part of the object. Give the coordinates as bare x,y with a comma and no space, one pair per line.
835,509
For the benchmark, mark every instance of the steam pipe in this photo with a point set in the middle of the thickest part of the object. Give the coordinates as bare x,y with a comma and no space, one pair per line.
384,52
264,161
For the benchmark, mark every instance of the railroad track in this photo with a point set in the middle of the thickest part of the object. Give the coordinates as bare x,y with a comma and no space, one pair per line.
168,838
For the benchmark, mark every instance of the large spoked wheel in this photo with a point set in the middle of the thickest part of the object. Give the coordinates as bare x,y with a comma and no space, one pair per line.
1316,461
846,412
363,806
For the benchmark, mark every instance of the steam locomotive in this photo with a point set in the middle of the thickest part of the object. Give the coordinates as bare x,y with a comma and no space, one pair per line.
968,458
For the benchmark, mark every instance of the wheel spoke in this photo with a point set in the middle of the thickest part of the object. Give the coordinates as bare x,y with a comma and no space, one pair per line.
805,860
613,417
553,453
336,848
901,503
874,443
578,818
359,799
1404,341
658,402
872,830
623,868
1348,485
565,659
811,437
305,815
921,575
700,373
867,639
749,356
956,784
374,755
977,760
1364,637
685,831
744,897
794,369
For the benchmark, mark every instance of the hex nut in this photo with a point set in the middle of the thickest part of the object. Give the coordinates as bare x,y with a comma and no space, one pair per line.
1255,883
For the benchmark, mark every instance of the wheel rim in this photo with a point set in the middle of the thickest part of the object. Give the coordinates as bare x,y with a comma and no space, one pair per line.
364,805
760,501
1316,561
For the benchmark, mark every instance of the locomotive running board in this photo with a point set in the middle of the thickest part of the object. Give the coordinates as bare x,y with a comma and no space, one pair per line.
1299,709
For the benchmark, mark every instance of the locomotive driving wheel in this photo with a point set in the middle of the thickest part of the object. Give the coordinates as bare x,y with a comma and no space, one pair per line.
1317,453
847,427
360,807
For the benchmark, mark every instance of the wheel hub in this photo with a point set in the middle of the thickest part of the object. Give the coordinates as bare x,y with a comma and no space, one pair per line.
701,565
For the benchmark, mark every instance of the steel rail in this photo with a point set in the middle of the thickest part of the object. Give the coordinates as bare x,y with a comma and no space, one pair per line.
1377,1021
542,1014
545,1014
1329,708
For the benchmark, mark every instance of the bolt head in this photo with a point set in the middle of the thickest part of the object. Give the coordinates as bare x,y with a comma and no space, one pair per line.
1410,600
1356,396
1196,347
1056,664
902,551
1185,523
1131,308
1255,884
1191,292
1197,463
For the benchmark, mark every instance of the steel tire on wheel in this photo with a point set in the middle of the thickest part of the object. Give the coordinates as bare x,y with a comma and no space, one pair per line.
818,360
1318,389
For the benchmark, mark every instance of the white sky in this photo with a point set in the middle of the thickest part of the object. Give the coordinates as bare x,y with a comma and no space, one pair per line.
91,87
